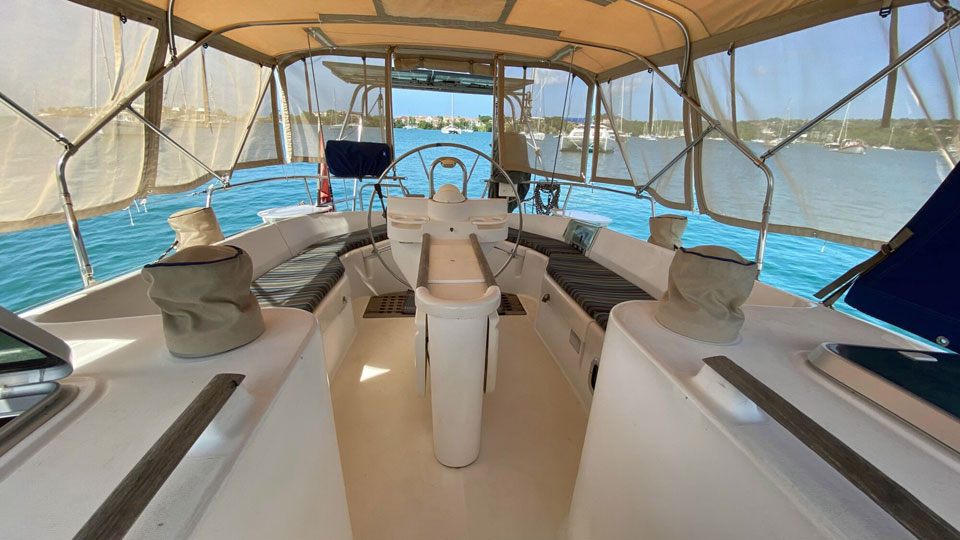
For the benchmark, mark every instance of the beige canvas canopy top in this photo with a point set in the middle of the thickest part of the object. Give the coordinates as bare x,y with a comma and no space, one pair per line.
529,28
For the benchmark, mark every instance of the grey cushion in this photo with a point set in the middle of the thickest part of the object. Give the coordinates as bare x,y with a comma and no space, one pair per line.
303,281
544,244
595,287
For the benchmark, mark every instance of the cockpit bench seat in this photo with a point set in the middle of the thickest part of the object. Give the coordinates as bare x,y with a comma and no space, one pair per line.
303,281
593,286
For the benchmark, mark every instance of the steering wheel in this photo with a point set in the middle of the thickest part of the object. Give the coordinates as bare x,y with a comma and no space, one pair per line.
446,162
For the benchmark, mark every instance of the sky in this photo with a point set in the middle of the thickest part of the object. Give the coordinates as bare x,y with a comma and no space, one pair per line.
795,76
420,103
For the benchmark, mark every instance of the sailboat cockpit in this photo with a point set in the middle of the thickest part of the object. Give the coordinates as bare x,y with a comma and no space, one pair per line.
481,327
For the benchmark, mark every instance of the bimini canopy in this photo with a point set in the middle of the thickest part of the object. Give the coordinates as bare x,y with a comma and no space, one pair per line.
528,28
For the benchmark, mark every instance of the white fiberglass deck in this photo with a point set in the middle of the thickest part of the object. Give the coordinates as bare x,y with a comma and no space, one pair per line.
519,487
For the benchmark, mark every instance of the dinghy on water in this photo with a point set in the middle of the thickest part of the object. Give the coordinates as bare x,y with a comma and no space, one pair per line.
441,353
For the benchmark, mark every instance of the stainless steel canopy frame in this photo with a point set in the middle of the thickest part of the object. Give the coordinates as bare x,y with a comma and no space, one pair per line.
73,225
83,259
951,20
176,145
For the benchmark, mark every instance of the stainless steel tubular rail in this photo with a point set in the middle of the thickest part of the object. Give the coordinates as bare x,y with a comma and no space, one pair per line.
36,122
372,185
176,145
70,216
127,501
171,37
213,187
685,73
66,201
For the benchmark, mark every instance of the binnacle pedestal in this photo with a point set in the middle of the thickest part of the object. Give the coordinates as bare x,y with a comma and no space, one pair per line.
440,242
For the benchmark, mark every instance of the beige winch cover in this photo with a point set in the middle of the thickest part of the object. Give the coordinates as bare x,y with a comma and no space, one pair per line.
195,227
706,287
205,301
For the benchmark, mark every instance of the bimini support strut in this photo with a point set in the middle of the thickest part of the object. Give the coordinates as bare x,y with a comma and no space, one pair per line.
176,145
73,225
685,69
66,201
86,270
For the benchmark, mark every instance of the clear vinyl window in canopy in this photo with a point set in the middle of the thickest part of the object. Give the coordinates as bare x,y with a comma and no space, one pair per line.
336,98
648,116
546,110
857,176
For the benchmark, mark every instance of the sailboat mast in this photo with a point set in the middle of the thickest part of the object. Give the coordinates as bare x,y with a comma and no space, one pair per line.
843,126
650,117
622,99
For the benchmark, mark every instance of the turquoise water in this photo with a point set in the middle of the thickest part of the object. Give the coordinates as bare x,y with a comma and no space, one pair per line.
38,265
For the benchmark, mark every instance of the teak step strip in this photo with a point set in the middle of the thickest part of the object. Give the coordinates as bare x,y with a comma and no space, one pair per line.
128,500
902,506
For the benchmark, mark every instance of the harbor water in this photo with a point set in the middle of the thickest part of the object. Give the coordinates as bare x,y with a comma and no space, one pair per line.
38,265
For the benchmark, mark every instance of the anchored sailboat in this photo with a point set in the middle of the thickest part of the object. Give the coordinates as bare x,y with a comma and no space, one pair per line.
843,144
451,129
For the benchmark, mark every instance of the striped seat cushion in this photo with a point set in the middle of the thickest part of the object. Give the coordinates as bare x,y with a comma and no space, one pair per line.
595,287
544,244
303,281
359,239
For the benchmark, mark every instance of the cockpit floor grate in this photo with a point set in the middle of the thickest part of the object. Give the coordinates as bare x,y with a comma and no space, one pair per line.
510,305
401,304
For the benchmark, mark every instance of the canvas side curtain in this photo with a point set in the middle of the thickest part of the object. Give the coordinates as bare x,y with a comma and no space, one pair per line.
208,100
547,114
649,117
857,176
320,100
70,66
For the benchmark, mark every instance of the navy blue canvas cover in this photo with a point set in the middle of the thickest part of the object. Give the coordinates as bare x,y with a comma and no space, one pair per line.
357,159
916,287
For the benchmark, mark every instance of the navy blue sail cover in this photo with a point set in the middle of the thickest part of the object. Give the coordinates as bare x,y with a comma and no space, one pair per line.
357,159
917,287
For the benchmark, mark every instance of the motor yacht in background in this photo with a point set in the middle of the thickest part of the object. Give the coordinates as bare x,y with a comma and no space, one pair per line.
466,345
574,140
